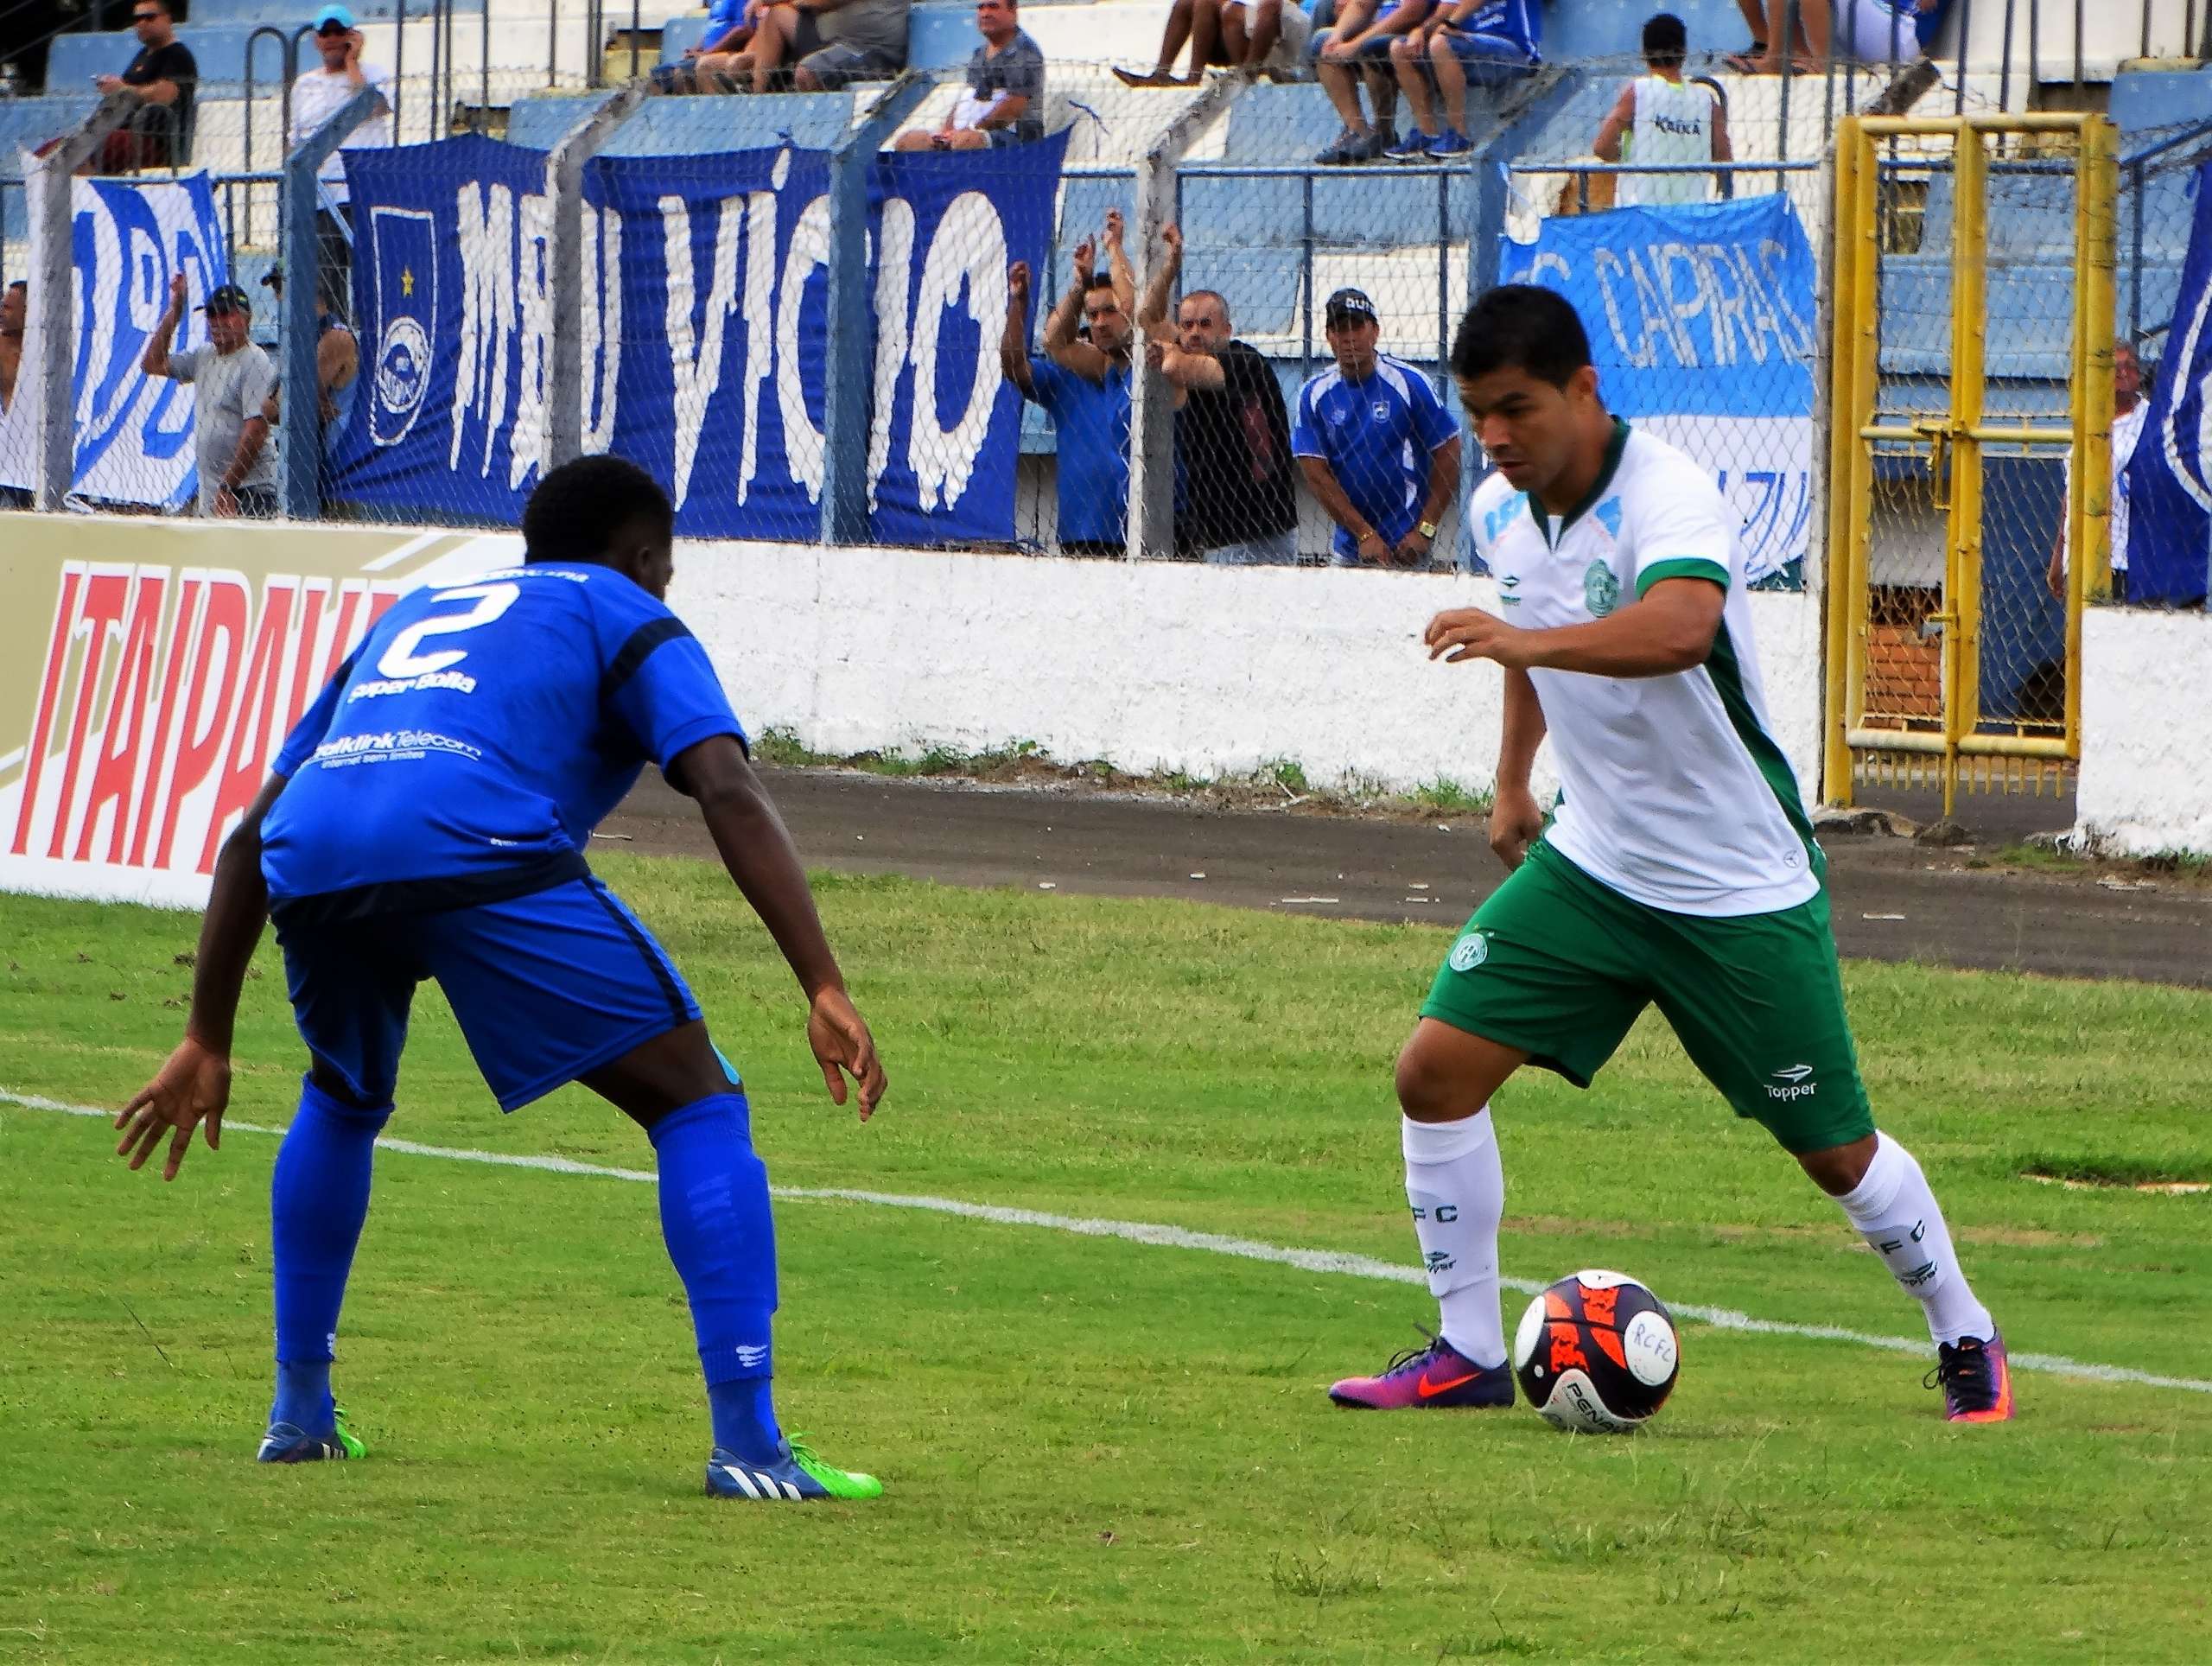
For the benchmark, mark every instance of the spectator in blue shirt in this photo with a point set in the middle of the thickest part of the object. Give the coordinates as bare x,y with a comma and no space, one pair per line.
1085,386
710,64
1378,449
1359,46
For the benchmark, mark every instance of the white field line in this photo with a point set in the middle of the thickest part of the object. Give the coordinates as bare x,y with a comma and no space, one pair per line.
1177,1238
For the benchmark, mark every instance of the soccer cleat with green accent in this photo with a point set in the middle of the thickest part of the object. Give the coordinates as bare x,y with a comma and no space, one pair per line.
797,1476
287,1443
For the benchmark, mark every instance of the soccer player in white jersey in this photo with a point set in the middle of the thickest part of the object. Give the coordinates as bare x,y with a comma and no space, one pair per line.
1678,867
1667,123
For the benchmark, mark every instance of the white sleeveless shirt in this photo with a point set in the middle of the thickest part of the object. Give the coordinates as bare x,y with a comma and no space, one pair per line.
1674,126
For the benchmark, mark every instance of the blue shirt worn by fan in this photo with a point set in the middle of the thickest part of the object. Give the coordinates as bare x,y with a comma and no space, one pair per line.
478,735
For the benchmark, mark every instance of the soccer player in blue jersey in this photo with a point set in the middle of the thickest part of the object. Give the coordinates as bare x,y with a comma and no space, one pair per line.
426,819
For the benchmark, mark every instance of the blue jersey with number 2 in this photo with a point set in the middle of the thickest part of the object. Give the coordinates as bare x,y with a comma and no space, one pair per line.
481,730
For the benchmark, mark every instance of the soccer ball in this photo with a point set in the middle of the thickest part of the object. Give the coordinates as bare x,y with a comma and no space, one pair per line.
1596,1353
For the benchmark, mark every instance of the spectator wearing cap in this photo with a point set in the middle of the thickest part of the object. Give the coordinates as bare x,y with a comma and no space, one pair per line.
1667,122
1004,103
337,366
231,380
1256,35
1237,506
163,75
821,45
1378,449
1082,380
317,95
1487,43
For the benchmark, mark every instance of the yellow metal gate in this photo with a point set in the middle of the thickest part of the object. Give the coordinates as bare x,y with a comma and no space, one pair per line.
1914,438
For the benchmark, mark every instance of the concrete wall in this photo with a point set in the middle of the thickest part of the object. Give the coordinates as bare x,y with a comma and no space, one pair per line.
2145,681
1150,666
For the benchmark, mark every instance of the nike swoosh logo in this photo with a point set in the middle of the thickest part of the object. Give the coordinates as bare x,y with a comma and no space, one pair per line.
1429,1390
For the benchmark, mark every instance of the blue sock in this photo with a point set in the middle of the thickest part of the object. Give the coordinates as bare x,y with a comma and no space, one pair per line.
715,1216
318,1198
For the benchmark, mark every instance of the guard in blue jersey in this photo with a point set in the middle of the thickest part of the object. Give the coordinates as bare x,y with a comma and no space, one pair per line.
426,819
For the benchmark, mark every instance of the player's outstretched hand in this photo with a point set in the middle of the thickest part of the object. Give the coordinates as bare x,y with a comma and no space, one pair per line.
843,1047
194,1083
1459,634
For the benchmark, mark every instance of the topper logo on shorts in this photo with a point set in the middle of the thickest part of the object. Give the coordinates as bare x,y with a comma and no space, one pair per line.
1794,1083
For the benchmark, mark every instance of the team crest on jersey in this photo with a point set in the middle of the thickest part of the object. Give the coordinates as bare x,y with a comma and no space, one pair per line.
1601,591
1470,951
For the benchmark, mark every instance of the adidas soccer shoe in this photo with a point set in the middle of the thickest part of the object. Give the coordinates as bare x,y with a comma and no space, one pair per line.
797,1476
1438,1375
1976,1379
287,1443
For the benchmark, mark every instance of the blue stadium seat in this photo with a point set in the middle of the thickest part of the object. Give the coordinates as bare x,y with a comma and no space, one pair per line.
678,34
2143,100
218,49
1261,285
27,123
1084,202
1576,29
700,126
368,11
940,36
1279,125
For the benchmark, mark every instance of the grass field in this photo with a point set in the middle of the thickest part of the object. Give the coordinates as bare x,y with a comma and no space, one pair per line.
1097,1451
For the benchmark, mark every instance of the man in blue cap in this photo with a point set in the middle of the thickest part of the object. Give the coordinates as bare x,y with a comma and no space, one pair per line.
317,95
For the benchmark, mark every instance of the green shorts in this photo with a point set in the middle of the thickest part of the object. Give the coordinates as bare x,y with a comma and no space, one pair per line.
1559,966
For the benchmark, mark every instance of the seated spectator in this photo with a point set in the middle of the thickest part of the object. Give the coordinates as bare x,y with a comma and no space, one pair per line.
1667,122
1256,35
1868,32
1232,436
1085,386
1377,447
1489,42
163,75
826,43
708,67
1359,45
1005,100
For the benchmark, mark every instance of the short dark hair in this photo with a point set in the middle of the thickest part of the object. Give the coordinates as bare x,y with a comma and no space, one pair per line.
1100,280
579,508
1666,39
1520,327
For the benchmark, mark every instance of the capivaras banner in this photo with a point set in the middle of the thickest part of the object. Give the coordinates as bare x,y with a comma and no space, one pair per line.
148,676
2169,478
705,332
1700,321
129,237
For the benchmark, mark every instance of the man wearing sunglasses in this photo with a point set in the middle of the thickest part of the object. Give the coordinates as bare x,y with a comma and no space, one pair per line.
163,74
317,95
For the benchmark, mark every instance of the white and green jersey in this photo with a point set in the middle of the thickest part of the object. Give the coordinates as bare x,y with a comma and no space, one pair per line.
1673,790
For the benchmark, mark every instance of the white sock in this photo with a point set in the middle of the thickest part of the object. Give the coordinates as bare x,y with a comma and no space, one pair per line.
1897,1214
1457,1191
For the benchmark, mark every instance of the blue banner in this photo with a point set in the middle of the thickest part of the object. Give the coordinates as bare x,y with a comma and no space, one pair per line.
1700,321
706,331
2170,478
128,239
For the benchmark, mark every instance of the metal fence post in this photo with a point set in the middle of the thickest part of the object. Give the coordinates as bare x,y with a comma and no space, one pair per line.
1151,524
851,389
299,432
563,434
52,314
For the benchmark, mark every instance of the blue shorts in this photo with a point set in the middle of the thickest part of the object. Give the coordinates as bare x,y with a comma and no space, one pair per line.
546,988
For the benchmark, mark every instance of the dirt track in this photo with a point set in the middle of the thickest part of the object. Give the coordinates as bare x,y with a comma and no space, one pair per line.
1112,845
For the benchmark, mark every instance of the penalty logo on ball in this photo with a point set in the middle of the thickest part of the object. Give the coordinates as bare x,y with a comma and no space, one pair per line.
1597,1352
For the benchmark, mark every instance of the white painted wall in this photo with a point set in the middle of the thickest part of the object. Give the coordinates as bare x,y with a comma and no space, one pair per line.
2145,677
1150,666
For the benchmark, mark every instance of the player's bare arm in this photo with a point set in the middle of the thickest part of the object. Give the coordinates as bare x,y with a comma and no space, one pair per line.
194,1083
1516,819
1671,629
757,849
